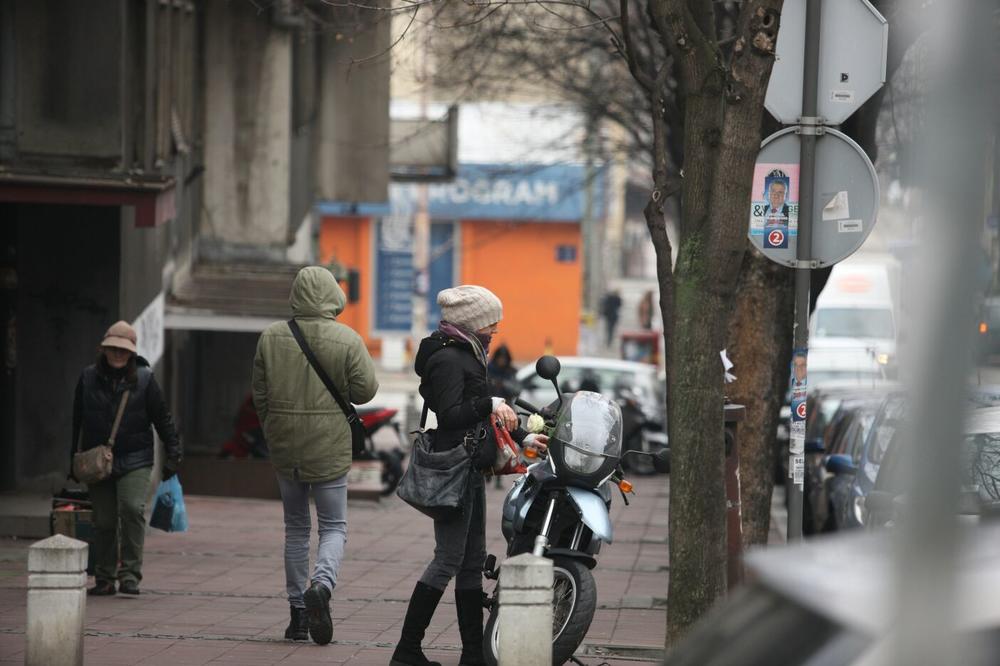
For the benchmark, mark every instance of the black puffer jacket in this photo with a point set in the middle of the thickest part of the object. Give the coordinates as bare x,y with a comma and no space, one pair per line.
98,394
454,386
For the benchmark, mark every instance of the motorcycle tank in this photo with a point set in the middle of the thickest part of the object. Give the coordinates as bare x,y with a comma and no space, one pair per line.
587,441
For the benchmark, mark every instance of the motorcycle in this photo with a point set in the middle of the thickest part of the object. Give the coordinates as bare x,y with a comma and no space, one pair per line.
560,509
374,419
641,433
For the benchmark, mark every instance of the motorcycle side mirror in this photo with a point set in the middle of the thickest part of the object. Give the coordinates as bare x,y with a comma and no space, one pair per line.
548,367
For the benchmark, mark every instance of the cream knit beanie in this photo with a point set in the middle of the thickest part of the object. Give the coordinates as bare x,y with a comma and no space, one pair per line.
469,306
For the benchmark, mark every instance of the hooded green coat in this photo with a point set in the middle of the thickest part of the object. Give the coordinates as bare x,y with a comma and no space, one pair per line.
306,431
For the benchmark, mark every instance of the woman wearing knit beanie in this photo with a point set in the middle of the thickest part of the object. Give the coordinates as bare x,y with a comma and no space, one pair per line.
451,363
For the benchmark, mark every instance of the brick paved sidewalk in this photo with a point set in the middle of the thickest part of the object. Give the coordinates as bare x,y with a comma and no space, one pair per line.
215,594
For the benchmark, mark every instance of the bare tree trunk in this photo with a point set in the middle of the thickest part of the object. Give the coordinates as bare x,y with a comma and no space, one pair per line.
760,335
722,125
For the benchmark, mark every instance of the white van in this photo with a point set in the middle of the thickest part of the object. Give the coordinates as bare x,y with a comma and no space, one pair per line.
852,331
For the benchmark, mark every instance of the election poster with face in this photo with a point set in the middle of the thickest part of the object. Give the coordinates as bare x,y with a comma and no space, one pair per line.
774,210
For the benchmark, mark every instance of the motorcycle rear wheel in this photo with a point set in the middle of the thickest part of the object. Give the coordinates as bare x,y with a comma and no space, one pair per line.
574,600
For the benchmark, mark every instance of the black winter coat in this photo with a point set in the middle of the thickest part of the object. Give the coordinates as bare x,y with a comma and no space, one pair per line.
98,394
454,386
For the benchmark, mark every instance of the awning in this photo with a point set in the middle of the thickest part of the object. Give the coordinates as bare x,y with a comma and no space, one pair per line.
152,198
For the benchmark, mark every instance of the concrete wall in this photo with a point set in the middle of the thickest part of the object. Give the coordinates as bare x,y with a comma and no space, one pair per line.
248,108
68,91
354,122
67,295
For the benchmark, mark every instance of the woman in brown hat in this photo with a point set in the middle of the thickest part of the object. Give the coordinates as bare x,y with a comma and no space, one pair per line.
120,500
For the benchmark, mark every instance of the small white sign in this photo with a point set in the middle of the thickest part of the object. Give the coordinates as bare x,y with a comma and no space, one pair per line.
842,96
149,331
798,468
849,226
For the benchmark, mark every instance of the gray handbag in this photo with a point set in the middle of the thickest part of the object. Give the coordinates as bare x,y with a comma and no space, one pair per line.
435,481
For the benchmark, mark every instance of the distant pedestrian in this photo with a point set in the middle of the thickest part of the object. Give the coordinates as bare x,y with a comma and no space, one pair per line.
309,438
119,502
451,363
646,310
502,374
610,305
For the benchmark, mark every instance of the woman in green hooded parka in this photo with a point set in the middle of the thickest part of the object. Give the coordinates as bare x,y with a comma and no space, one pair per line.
309,438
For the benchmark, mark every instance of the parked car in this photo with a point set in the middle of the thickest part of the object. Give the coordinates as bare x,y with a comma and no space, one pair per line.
602,375
861,472
980,465
848,431
832,602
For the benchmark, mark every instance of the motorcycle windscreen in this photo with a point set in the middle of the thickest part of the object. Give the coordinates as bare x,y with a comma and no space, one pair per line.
588,434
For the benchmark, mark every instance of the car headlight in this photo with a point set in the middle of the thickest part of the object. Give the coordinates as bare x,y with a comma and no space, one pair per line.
858,506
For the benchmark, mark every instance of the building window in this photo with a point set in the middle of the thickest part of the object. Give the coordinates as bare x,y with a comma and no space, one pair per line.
566,254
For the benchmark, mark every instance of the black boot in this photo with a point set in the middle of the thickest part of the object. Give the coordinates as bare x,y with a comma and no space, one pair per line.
298,627
423,601
317,599
469,604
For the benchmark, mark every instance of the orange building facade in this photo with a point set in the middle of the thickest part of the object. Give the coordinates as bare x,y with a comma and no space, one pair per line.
514,230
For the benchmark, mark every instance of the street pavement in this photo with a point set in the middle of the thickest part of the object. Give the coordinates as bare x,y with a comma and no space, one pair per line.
215,594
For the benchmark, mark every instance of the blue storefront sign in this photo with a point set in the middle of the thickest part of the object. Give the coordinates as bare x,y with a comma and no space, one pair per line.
512,192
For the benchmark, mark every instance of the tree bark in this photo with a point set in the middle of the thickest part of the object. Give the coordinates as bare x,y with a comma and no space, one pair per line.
760,347
723,107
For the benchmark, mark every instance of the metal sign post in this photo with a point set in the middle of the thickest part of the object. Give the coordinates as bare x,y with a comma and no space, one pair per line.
800,341
815,191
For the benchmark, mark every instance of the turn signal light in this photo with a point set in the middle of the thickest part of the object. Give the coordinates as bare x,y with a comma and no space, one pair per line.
626,486
983,328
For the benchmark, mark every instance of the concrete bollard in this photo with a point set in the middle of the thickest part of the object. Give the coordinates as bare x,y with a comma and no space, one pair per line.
525,632
57,602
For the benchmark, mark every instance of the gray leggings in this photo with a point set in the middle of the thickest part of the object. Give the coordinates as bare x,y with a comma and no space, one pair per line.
331,516
460,544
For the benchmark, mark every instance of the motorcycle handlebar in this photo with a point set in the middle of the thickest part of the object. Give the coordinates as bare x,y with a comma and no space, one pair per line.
526,405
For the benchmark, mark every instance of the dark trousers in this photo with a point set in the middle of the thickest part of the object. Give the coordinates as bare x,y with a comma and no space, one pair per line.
460,544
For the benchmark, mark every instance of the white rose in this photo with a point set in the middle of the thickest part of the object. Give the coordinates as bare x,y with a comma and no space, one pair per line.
536,423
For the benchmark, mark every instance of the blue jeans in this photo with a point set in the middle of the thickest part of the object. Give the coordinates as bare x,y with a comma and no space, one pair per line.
331,516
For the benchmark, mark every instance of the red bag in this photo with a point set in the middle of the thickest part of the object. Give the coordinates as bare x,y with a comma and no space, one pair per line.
508,453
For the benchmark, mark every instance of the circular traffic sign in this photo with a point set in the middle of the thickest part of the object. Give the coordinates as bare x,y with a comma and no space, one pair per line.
845,198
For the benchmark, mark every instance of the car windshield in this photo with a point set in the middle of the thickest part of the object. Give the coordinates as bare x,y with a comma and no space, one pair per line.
981,465
589,424
854,323
885,429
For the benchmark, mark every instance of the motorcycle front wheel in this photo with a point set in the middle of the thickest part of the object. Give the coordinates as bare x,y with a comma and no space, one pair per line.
574,599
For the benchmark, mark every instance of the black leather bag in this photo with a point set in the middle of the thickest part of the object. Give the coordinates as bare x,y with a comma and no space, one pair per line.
481,444
353,420
435,482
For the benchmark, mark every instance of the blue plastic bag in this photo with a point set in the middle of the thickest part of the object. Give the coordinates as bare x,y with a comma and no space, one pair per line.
169,513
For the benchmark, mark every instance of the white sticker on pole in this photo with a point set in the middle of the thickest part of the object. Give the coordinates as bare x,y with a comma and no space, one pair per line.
837,206
798,468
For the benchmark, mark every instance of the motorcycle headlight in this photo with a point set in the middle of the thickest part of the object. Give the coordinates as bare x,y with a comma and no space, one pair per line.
858,506
579,462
